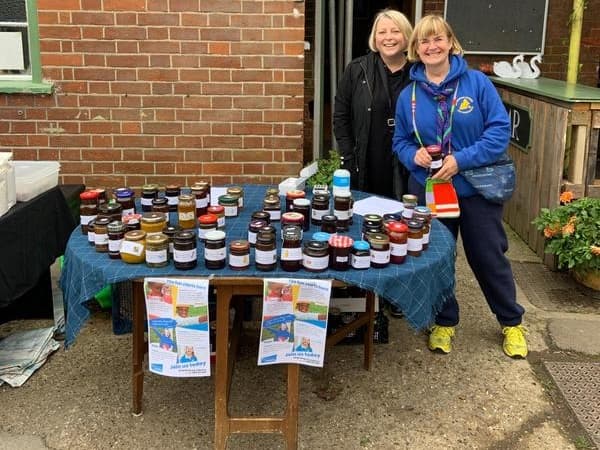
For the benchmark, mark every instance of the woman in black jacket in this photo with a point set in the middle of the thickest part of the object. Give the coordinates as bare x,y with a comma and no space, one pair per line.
365,103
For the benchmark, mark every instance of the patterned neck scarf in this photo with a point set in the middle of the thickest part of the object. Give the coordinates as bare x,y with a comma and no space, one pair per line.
443,113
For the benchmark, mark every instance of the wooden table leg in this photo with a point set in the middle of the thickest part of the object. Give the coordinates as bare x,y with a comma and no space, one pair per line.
138,350
290,426
222,371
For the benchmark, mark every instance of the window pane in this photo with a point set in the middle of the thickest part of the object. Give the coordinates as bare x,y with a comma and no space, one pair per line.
13,11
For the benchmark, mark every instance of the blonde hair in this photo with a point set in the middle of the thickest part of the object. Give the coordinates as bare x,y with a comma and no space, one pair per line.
432,25
399,20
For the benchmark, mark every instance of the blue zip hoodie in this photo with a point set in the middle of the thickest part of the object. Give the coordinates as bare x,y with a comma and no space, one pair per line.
480,124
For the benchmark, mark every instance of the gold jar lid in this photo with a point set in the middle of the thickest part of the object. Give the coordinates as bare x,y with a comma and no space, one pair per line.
157,239
378,239
135,235
153,217
186,198
235,190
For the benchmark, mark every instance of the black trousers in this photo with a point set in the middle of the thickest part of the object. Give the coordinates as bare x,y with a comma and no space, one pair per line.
485,244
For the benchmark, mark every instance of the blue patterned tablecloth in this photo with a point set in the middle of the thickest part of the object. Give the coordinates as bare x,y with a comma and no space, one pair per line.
418,287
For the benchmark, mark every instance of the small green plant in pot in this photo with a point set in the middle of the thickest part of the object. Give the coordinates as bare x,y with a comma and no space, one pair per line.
572,232
326,167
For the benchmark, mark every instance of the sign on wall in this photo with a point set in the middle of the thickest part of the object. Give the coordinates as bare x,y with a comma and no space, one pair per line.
520,126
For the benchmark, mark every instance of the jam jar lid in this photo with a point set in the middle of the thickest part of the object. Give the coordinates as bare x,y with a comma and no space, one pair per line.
157,239
361,245
292,233
215,235
394,216
343,194
397,227
135,235
88,195
272,191
295,193
319,246
116,226
268,229
172,187
292,217
301,202
186,198
216,209
261,215
153,217
132,218
185,235
235,190
102,221
378,238
321,197
123,192
321,236
111,207
415,224
271,200
422,210
340,241
372,218
228,199
208,218
159,201
256,225
329,218
150,187
239,245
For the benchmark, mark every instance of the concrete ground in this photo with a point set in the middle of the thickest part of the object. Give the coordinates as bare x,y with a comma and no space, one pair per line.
475,397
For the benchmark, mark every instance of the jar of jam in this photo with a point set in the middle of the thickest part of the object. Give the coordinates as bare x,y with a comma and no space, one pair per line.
265,252
291,249
214,250
153,223
170,231
435,151
398,233
415,237
88,208
292,218
339,251
315,256
329,223
160,204
292,195
360,257
101,192
261,215
101,234
423,213
207,223
410,202
172,193
372,223
380,250
389,218
239,254
133,247
272,190
149,193
229,204
342,209
125,197
319,207
302,206
157,250
218,211
253,228
272,205
111,210
238,192
91,235
185,255
186,211
201,198
132,221
116,234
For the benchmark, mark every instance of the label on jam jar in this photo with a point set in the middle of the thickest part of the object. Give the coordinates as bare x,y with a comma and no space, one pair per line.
133,248
185,216
398,249
266,256
214,254
380,257
360,262
156,256
239,260
202,232
315,262
183,256
114,245
291,254
201,202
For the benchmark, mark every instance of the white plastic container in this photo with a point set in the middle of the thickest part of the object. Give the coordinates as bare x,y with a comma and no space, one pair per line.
34,177
7,183
341,181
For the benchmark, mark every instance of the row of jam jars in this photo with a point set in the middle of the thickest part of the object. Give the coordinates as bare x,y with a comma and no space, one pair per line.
424,213
172,193
238,193
88,208
372,223
126,198
200,191
186,211
343,209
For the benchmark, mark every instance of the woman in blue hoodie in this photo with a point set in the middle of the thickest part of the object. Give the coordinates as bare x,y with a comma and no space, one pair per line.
459,109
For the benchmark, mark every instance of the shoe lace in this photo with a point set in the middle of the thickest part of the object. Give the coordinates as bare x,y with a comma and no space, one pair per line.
440,331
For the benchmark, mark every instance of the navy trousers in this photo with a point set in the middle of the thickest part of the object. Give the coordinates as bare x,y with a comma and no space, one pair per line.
485,244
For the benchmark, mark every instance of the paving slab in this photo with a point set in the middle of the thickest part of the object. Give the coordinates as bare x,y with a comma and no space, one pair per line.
580,335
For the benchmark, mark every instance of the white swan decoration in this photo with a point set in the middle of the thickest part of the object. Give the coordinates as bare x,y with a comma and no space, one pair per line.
531,69
504,69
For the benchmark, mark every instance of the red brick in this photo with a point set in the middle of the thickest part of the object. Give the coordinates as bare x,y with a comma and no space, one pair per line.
252,128
183,34
101,155
161,128
102,141
163,155
76,167
103,168
131,127
162,102
93,18
253,142
198,48
94,46
222,115
98,87
220,34
282,89
194,20
221,156
219,48
99,127
125,18
186,61
158,74
99,101
150,47
253,75
92,33
94,60
252,35
156,33
60,5
134,167
94,74
127,47
116,33
161,88
283,35
222,141
221,6
196,128
161,19
124,5
194,75
62,60
125,141
69,141
127,60
164,115
197,101
130,88
188,142
222,76
221,168
221,89
221,103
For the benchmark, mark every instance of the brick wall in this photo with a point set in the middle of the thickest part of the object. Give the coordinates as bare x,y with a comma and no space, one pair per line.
165,91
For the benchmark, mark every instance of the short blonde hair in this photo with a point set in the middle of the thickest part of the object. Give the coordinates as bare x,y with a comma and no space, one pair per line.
432,25
399,20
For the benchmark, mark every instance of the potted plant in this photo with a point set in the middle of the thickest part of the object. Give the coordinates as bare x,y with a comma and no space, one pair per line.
326,167
572,232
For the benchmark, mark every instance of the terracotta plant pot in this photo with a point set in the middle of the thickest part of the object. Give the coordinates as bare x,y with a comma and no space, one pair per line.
589,278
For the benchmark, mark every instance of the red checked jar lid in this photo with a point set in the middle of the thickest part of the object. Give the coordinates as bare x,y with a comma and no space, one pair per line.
341,241
339,251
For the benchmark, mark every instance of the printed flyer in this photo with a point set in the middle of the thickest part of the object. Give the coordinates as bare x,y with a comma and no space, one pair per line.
178,330
294,322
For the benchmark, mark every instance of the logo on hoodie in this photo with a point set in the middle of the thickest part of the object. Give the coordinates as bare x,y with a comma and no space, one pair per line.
464,104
